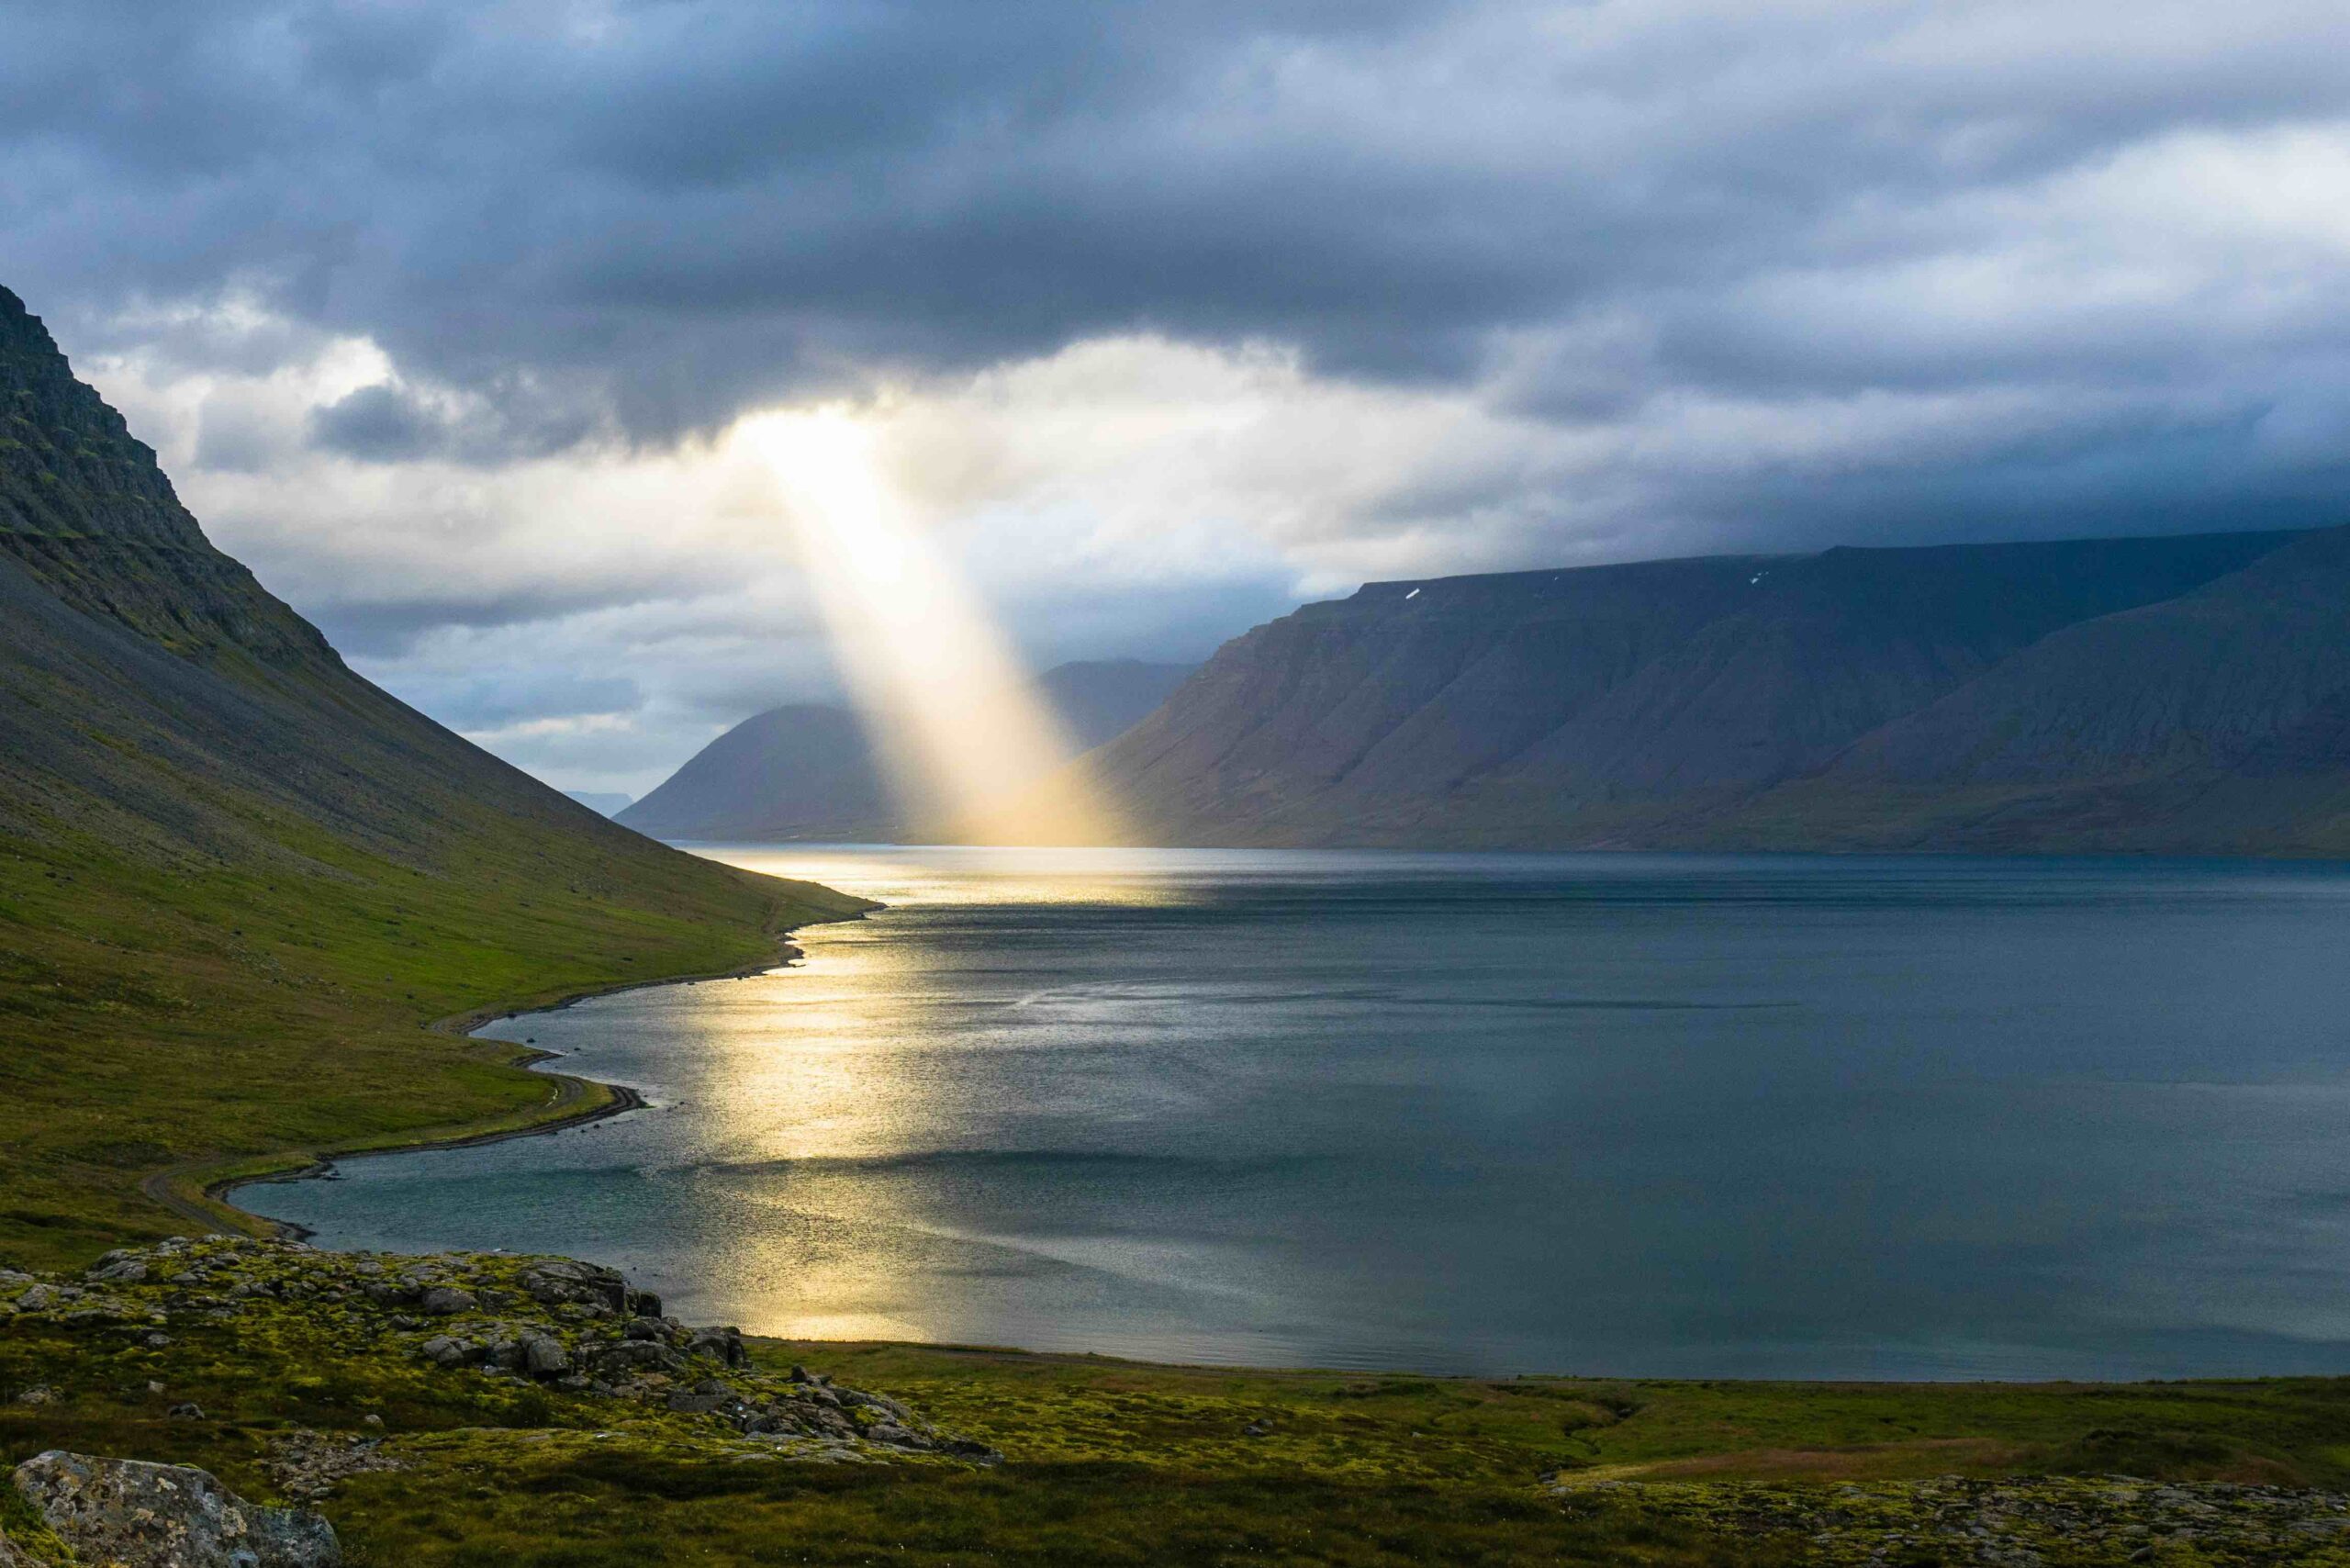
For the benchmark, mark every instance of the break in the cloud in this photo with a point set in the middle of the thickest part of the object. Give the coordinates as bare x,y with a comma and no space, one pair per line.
1162,314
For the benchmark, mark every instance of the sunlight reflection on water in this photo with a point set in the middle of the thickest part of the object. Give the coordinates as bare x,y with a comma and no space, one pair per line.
1655,1115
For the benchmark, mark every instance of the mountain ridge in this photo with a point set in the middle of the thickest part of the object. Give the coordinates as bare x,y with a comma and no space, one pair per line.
1705,703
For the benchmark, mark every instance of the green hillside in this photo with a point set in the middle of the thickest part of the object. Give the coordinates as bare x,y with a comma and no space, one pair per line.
237,881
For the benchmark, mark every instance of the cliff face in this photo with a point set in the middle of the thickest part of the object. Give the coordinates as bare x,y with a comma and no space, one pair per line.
87,513
1852,699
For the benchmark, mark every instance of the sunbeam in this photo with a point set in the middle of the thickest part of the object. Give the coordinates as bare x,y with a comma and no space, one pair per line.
971,748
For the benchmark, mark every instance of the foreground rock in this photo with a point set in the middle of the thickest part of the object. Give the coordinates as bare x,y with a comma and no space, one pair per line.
565,1326
166,1516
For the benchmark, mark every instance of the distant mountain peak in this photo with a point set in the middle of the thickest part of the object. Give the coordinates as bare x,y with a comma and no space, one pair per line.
811,771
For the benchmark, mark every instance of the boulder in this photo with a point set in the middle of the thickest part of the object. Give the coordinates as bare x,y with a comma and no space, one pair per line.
446,1300
167,1516
882,1405
503,1352
564,1281
612,1358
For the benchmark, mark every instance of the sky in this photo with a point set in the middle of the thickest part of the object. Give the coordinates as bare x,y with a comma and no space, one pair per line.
1157,319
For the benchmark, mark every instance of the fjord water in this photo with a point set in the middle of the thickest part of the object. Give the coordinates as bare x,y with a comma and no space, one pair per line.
1734,1116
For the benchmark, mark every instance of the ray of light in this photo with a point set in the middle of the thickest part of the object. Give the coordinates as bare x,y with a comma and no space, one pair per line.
970,746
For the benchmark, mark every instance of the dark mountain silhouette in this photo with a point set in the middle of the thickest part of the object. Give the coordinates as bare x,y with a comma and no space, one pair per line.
802,771
156,701
808,771
2179,693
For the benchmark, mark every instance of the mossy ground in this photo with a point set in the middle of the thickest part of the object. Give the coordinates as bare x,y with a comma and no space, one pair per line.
1118,1462
2284,1431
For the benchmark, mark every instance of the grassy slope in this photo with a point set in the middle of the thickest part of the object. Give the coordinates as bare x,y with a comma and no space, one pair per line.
237,881
150,1015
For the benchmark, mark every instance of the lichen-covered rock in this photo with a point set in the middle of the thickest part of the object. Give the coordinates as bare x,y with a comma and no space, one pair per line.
121,1266
568,1282
446,1300
446,1351
543,1356
167,1516
307,1465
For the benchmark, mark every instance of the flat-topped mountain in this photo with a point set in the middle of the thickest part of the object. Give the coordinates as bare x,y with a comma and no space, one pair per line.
2188,693
808,771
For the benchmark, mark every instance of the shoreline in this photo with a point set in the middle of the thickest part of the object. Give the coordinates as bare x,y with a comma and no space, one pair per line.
202,1190
569,1088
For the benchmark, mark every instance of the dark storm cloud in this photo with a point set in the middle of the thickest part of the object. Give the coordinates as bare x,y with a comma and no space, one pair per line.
387,624
698,206
379,423
388,423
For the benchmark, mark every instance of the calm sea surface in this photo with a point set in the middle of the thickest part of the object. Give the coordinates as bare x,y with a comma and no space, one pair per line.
1643,1115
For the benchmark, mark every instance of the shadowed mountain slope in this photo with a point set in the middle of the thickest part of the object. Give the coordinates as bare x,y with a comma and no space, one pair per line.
802,771
1821,702
235,877
808,771
2214,722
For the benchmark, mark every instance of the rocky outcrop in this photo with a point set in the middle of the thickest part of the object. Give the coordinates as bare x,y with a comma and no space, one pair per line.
569,1328
126,1512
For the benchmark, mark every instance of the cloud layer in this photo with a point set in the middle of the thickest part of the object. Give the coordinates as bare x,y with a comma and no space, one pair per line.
1165,313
